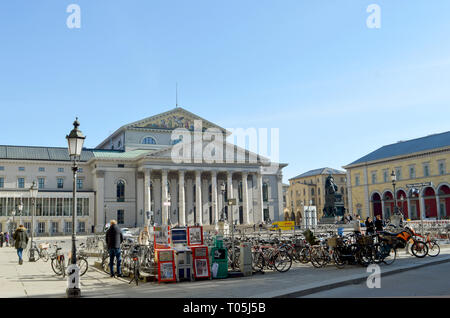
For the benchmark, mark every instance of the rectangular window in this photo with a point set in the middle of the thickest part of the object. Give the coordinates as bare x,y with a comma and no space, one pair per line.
27,226
385,176
55,226
374,177
41,227
21,168
398,173
45,207
412,172
59,207
67,227
121,166
81,227
21,183
41,183
441,168
426,170
79,207
80,170
60,169
120,216
60,182
41,169
79,184
86,207
356,180
2,168
2,182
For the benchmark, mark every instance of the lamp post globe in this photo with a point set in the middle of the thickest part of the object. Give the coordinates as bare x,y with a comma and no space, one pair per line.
75,141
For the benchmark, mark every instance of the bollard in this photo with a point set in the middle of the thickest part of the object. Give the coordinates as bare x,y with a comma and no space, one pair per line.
245,259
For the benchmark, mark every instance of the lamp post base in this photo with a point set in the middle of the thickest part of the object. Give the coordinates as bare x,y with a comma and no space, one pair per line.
73,292
32,258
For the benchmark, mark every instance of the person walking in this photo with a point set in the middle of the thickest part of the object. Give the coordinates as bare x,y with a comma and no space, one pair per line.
20,241
114,238
1,239
379,224
7,238
370,227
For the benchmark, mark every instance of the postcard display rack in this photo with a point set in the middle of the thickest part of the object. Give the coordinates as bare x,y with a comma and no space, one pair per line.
165,255
183,254
200,255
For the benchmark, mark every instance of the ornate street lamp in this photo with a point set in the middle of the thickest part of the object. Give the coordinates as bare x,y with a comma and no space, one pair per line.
394,179
223,190
75,142
33,195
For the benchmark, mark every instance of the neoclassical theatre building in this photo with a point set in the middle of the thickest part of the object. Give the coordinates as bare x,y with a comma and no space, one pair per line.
172,168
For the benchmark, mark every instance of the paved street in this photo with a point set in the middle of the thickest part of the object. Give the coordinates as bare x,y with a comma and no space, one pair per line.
38,280
430,281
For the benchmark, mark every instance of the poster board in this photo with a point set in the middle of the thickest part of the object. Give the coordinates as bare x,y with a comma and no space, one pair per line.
195,235
201,262
161,237
166,266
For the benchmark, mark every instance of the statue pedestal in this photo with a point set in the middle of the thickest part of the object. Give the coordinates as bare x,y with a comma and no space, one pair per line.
329,220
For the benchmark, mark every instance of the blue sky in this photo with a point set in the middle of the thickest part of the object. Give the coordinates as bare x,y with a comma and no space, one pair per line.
335,88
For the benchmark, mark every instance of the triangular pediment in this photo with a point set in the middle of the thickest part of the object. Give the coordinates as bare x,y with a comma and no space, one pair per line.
173,119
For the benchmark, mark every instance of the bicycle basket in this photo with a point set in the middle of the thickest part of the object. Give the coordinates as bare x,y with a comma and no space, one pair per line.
332,242
44,246
365,240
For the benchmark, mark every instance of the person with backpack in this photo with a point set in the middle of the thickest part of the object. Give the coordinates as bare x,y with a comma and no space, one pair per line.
20,241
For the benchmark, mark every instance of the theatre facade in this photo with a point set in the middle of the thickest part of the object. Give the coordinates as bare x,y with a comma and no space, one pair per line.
173,168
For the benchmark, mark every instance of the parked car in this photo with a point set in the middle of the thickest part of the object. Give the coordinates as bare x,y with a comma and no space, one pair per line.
126,232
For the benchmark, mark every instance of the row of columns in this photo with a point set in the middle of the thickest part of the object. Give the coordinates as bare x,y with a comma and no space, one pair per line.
198,194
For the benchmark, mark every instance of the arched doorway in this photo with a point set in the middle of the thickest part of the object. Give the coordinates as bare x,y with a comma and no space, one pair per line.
286,216
299,218
376,205
388,199
414,205
429,197
402,203
444,201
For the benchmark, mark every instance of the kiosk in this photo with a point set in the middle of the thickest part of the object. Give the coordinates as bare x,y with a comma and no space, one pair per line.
183,254
219,259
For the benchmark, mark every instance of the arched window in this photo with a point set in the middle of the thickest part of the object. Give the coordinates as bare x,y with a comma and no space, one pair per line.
312,191
121,191
149,141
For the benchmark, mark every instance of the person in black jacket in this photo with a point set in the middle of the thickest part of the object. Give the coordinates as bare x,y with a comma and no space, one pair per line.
370,227
378,224
114,238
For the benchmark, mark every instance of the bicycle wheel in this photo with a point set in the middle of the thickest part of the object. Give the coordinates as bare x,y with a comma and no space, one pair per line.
257,261
105,265
56,266
364,255
127,266
419,249
136,274
62,264
317,257
282,261
433,249
377,255
83,265
45,255
338,259
304,255
388,253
